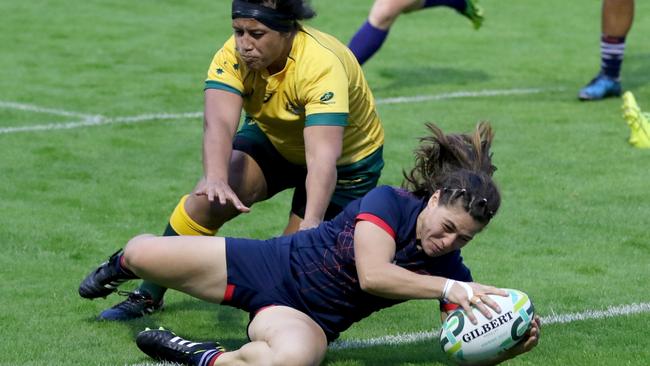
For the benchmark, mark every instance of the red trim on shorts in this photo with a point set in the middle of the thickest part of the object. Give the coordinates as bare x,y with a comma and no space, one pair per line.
214,359
450,306
230,290
377,221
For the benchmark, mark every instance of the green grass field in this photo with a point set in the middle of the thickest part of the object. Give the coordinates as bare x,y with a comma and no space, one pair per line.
572,231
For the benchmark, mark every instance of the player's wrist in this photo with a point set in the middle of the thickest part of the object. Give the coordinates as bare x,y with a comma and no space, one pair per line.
447,287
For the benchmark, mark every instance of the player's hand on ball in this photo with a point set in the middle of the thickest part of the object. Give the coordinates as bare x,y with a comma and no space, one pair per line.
531,340
513,331
468,294
221,191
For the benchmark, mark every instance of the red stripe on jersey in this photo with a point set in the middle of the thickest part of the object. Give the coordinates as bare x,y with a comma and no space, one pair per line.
230,289
449,306
377,221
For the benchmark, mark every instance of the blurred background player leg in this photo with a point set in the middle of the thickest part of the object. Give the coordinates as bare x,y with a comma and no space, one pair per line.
372,34
637,121
617,17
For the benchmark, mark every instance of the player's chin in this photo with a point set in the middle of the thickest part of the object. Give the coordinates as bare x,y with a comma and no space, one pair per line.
432,250
255,64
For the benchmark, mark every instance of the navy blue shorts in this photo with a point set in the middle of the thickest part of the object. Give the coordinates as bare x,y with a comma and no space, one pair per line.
259,275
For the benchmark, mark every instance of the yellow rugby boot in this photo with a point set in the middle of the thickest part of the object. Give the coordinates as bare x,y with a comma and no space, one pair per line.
637,121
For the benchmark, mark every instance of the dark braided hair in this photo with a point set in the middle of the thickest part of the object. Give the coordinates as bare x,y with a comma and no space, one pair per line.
460,167
298,9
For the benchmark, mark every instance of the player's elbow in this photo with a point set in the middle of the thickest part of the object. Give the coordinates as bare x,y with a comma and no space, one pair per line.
370,281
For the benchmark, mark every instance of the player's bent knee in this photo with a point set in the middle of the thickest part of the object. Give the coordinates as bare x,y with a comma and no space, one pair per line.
135,251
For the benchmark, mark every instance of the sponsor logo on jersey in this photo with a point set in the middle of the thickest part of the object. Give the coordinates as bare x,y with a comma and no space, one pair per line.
327,98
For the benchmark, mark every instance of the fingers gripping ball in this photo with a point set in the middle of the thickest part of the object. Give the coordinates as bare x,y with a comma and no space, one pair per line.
463,341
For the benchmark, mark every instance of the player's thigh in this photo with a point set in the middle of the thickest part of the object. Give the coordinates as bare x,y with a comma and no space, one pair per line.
245,178
293,337
384,12
195,265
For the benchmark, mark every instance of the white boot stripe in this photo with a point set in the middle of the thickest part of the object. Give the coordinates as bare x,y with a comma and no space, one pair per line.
173,340
207,355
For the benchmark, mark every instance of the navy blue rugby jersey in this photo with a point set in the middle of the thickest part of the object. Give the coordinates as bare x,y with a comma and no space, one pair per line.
322,259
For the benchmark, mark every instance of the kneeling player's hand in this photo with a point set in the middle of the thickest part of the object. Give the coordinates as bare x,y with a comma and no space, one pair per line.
221,191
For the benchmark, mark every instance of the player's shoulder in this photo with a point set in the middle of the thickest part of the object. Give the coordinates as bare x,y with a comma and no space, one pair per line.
320,46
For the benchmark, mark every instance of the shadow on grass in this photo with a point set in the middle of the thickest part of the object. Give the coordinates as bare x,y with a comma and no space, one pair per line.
407,78
636,70
421,353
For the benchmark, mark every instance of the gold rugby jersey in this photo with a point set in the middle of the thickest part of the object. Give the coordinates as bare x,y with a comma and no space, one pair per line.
321,84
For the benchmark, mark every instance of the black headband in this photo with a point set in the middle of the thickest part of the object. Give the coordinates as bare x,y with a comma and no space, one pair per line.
269,17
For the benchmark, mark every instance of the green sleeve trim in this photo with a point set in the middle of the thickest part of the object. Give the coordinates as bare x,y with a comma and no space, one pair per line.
211,84
327,119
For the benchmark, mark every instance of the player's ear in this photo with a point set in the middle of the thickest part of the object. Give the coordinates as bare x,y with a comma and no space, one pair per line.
433,200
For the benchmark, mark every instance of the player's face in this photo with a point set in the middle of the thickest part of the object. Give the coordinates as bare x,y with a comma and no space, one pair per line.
442,229
259,46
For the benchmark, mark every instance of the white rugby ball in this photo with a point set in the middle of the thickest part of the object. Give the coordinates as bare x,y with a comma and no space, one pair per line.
465,342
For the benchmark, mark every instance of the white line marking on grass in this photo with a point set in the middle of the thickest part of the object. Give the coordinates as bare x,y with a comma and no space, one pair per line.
612,311
464,94
37,109
97,120
406,338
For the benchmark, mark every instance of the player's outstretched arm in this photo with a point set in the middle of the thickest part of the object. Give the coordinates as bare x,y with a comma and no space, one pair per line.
221,118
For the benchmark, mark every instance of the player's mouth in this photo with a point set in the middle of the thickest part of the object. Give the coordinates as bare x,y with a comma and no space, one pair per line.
249,60
437,248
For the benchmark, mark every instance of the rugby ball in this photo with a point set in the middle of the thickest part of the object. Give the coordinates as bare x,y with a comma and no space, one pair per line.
465,342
